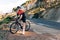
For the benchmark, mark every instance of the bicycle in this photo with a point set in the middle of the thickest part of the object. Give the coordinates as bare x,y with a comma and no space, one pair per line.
15,26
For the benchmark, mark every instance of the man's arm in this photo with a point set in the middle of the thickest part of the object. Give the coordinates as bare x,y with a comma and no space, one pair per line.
21,17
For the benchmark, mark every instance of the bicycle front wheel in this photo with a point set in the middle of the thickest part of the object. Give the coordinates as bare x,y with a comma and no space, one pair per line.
14,28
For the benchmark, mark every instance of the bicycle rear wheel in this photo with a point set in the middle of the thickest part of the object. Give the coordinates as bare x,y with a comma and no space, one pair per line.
27,26
14,28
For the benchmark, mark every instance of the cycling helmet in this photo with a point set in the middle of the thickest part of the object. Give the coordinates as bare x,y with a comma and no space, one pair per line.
18,7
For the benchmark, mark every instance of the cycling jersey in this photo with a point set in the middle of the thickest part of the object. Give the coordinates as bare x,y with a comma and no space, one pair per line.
21,12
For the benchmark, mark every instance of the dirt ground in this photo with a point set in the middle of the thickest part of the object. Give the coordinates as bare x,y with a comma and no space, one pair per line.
29,35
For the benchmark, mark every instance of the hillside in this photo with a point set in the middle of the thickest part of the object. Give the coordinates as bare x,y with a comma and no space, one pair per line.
6,15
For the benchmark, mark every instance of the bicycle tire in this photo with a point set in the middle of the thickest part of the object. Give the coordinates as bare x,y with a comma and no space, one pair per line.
15,26
27,26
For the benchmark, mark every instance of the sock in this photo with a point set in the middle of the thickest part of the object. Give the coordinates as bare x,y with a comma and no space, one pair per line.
23,30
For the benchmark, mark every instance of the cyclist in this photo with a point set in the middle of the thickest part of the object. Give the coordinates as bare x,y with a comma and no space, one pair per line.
21,14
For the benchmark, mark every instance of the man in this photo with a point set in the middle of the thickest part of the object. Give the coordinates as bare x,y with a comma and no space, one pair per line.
21,13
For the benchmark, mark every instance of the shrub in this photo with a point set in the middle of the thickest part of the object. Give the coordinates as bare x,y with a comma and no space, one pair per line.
36,15
6,20
1,22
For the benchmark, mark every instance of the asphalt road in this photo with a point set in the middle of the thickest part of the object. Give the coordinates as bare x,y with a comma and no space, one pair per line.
44,26
47,23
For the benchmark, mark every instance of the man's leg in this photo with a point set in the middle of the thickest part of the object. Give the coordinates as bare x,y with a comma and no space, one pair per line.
24,25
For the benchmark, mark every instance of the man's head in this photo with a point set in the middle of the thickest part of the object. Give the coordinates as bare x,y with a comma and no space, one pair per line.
18,7
22,8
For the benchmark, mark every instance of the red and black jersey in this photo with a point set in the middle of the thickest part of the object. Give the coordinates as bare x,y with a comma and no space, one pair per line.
20,12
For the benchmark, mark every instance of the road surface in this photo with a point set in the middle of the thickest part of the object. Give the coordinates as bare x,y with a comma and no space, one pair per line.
38,31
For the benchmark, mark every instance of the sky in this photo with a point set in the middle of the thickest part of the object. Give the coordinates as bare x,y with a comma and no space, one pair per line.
7,5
